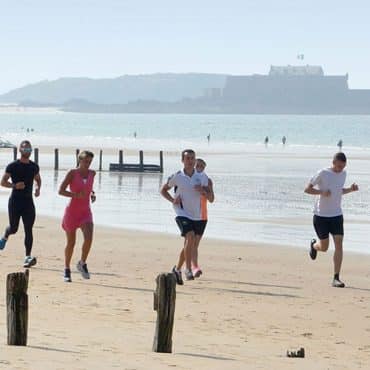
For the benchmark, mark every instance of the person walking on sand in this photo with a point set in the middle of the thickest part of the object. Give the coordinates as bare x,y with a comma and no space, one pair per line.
23,173
328,184
78,212
188,208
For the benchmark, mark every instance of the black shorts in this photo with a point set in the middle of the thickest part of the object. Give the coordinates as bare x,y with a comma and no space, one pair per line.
328,225
185,225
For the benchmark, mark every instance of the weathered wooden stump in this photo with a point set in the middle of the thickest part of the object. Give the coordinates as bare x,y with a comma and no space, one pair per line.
17,308
164,304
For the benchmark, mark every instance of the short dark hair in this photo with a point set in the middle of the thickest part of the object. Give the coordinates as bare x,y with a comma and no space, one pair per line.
187,151
24,142
340,157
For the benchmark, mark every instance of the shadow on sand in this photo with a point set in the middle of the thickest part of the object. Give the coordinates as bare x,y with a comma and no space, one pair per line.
206,356
255,284
53,349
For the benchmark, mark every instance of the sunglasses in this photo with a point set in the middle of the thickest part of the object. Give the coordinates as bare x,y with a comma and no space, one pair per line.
26,150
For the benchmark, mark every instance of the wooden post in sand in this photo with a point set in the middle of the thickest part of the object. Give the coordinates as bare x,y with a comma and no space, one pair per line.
100,160
164,304
36,155
56,159
17,308
161,161
15,153
77,154
120,157
141,160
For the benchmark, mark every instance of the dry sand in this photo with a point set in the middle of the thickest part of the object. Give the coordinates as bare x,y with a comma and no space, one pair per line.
252,304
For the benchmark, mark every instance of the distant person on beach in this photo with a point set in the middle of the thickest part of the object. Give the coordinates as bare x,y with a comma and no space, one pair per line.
23,173
189,209
209,138
328,184
340,144
283,140
78,213
135,135
266,140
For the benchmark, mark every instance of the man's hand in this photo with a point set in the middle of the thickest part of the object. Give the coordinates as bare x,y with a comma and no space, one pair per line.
354,187
37,192
19,185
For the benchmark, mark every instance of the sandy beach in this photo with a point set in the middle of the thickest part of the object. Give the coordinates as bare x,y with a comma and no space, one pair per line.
252,303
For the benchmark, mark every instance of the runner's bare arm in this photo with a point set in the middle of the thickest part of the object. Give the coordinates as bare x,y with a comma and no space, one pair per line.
165,194
7,184
5,181
353,187
210,194
38,183
63,187
311,190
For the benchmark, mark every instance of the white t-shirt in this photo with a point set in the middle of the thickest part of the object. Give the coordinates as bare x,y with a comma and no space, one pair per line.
191,205
324,180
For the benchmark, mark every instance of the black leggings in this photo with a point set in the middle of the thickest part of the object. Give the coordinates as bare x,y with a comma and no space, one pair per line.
17,208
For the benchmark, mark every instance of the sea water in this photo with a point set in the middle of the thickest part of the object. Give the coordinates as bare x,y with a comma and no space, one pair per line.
258,188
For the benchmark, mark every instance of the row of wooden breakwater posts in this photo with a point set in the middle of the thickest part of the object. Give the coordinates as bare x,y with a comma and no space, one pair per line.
17,310
164,304
120,166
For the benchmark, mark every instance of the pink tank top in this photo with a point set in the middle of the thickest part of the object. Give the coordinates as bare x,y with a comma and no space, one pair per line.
78,211
77,185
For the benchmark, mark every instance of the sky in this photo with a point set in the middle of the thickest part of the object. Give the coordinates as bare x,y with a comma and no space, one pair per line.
47,40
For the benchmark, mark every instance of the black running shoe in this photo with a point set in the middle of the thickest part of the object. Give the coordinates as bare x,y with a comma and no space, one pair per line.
337,283
178,276
313,251
29,262
82,267
67,276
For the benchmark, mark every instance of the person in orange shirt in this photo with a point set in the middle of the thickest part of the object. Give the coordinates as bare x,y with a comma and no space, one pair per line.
207,195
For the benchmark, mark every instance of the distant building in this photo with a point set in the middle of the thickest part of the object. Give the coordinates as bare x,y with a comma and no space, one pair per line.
296,71
213,93
293,89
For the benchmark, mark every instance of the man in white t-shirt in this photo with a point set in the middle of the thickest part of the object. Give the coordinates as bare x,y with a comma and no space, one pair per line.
188,207
328,184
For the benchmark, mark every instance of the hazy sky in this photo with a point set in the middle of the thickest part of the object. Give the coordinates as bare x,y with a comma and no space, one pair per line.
108,38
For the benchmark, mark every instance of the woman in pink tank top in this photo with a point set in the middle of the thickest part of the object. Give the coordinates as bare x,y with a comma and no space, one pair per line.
78,212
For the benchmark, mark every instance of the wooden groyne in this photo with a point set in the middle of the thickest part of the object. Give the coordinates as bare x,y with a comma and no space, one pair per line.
121,166
137,167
